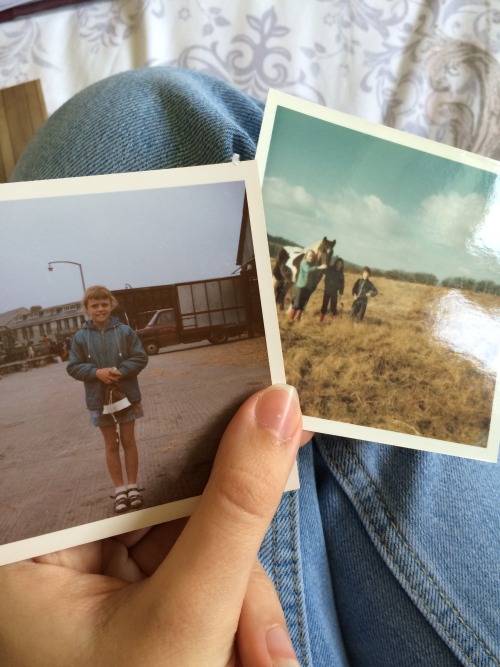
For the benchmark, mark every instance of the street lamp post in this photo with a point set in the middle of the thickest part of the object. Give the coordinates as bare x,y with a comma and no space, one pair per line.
51,268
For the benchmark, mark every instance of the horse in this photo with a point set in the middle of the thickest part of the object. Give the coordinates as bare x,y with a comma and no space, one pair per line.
323,249
287,265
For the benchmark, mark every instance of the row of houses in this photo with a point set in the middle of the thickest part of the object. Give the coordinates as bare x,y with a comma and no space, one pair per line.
36,324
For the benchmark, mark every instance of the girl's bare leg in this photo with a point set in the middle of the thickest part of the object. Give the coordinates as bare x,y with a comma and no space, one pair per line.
127,436
112,447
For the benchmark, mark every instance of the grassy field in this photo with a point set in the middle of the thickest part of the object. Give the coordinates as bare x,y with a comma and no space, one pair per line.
390,371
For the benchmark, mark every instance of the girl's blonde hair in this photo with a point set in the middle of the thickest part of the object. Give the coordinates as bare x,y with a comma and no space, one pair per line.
98,292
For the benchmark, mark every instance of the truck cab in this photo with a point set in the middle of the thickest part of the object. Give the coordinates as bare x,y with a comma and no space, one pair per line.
160,331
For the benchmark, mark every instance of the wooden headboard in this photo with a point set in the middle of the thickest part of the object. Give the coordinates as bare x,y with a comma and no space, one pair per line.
22,112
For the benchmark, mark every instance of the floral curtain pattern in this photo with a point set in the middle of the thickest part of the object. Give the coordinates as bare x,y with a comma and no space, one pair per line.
430,67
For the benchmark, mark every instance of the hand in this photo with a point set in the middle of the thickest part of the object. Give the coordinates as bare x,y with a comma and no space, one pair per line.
149,598
107,375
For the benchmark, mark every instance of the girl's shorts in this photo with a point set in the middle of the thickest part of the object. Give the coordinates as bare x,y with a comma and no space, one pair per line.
129,414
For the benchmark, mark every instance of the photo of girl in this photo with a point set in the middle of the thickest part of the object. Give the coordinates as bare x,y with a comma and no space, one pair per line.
106,354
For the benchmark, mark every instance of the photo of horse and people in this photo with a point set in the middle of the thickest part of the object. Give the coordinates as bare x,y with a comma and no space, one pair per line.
358,345
391,318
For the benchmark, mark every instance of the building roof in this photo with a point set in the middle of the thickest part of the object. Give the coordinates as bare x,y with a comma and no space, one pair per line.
25,317
10,316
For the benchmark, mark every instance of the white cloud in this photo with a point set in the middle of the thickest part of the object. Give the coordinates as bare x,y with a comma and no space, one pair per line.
364,216
278,193
364,226
452,220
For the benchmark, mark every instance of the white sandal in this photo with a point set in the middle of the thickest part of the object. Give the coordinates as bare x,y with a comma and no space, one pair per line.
134,498
121,502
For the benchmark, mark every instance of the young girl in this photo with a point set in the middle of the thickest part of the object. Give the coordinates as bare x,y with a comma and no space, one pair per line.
305,284
106,352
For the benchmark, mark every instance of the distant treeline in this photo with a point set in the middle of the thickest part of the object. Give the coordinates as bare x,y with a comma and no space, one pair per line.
456,282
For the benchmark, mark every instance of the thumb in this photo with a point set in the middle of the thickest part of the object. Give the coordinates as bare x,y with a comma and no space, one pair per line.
214,556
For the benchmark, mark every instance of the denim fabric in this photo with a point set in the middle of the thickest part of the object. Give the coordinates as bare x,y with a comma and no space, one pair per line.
385,557
140,120
413,544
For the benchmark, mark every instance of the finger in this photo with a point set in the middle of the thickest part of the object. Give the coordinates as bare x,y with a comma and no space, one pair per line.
306,436
86,558
214,555
133,537
150,551
262,637
117,563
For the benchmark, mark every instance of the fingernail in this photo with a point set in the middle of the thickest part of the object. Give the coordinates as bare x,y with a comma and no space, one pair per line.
278,410
280,648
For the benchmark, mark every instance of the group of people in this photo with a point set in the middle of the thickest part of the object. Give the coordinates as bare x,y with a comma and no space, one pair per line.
308,276
47,346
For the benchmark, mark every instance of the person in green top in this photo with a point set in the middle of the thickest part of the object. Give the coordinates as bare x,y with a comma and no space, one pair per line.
306,284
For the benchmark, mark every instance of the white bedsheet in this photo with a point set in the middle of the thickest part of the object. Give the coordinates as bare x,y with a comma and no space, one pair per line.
431,68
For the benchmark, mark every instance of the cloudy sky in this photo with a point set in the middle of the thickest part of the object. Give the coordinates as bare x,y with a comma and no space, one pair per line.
389,206
145,237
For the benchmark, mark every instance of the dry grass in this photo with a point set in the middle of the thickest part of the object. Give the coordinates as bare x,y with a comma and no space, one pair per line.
389,371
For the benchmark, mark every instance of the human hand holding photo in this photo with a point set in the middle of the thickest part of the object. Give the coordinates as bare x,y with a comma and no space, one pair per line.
176,594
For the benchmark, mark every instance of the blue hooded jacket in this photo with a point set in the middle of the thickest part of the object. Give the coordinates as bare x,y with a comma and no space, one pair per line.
117,346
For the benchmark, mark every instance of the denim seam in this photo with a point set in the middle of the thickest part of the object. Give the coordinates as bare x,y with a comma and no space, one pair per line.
292,525
274,542
296,586
415,558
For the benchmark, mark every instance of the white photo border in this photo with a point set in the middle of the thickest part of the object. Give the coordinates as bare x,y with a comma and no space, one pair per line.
277,99
245,171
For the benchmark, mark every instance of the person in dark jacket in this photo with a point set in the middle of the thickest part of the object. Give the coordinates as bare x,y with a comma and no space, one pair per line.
105,353
363,288
282,277
334,285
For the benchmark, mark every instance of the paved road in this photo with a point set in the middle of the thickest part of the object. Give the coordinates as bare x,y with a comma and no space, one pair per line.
52,469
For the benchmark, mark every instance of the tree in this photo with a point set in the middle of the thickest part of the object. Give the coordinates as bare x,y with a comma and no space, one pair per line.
426,279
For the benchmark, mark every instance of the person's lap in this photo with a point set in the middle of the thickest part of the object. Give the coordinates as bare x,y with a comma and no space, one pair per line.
385,556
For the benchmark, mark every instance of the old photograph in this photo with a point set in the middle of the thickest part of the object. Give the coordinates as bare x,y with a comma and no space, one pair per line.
130,332
385,261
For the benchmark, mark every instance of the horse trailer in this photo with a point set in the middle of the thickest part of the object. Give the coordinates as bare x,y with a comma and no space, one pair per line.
213,310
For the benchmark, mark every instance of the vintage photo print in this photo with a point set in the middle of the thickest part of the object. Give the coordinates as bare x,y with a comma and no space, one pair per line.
174,249
384,254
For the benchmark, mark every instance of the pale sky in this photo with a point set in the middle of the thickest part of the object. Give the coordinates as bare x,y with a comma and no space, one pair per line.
387,205
144,237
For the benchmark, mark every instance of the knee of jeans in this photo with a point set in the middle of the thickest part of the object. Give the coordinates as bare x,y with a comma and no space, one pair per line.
150,118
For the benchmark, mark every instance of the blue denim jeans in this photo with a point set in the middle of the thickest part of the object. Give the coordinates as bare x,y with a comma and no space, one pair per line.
385,557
